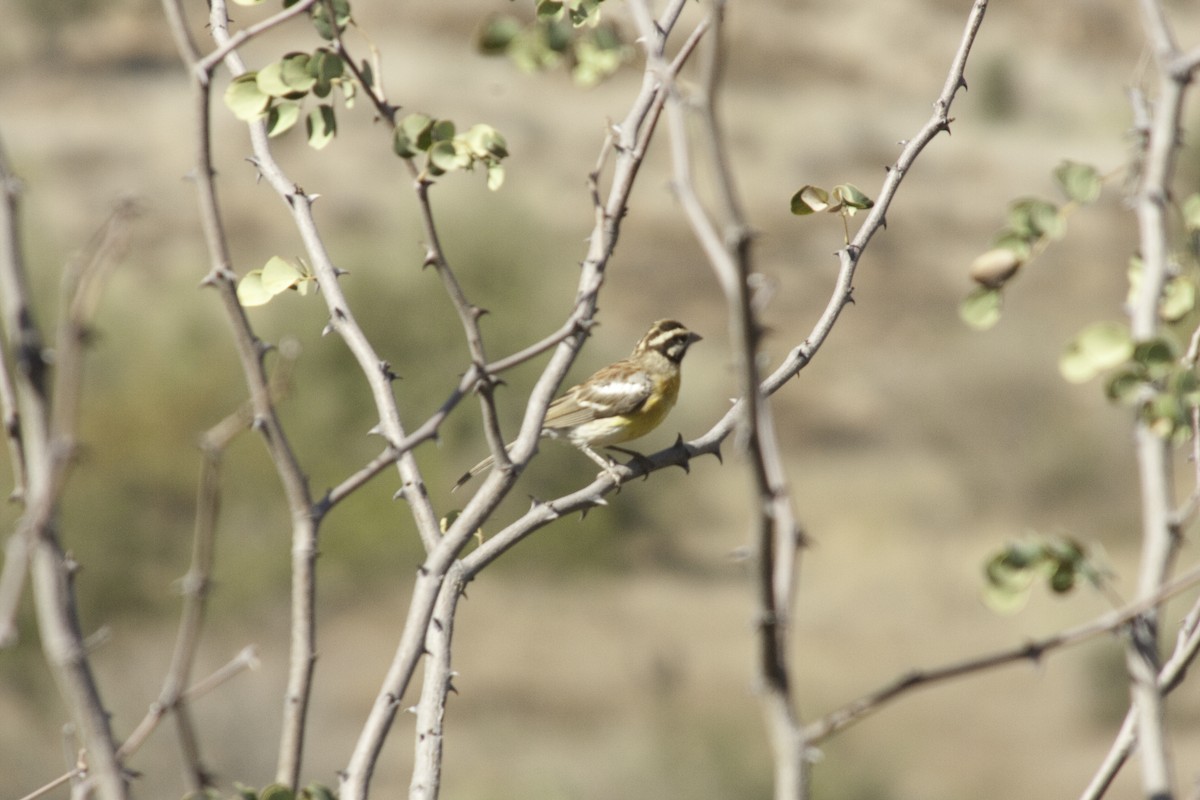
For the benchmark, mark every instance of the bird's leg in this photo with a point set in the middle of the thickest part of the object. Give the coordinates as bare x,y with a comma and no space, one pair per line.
641,460
606,464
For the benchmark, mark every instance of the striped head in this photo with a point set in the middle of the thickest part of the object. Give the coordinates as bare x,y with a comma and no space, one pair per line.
669,338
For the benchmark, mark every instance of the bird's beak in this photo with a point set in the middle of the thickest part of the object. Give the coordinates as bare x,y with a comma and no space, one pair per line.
694,337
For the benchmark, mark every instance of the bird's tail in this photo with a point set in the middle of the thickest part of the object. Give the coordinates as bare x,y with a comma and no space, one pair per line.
473,471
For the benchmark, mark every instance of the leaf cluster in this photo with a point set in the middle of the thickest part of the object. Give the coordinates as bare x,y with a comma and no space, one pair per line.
845,199
275,93
446,150
1011,573
569,33
276,791
258,286
1032,224
1156,377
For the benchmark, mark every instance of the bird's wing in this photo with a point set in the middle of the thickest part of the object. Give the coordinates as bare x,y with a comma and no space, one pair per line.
615,390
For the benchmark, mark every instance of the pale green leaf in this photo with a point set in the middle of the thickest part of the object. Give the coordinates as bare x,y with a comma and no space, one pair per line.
321,125
1179,298
244,98
279,275
981,308
496,34
485,141
448,156
1033,218
809,200
250,290
495,176
1098,347
850,196
282,116
1079,182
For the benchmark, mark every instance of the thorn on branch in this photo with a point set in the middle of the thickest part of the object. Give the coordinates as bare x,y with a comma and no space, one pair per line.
386,369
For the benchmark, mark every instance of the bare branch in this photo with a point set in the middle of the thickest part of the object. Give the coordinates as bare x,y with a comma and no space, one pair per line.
250,352
1159,538
436,684
1031,651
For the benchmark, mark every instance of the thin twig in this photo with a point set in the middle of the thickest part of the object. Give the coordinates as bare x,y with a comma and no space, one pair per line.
1187,644
250,352
1034,650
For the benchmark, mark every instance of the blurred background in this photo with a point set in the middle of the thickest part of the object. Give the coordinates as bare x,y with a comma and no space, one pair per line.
610,656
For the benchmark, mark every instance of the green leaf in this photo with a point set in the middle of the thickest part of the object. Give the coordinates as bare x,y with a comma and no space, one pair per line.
548,9
412,135
1125,386
250,290
485,141
981,308
279,275
349,92
258,286
994,268
316,791
586,12
328,28
1186,386
1079,182
1165,415
321,125
1008,239
1157,357
850,196
448,156
495,176
1062,580
1179,298
442,131
809,200
497,34
1098,347
1191,212
277,791
244,98
1033,218
282,116
326,65
289,77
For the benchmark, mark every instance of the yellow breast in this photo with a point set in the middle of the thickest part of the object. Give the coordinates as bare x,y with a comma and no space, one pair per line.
627,427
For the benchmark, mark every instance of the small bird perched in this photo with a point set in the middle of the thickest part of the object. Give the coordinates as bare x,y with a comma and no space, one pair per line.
621,402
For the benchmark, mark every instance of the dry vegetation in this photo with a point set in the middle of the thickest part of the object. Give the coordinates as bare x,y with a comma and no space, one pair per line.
916,445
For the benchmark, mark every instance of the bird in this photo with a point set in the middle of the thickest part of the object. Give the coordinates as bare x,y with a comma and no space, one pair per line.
620,402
